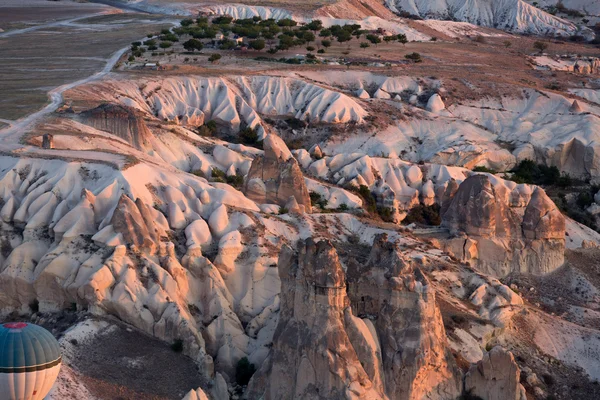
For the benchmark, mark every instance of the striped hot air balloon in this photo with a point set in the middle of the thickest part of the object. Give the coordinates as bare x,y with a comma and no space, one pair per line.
29,361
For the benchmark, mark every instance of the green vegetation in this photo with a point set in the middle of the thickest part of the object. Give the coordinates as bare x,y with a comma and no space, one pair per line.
415,57
538,174
193,45
259,34
540,46
248,136
257,44
480,168
374,39
425,215
369,201
317,200
208,129
214,57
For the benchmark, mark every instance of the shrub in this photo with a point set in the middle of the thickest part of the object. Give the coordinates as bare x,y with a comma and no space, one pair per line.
540,46
244,371
214,57
426,215
326,43
416,57
374,39
257,44
235,180
165,44
310,48
283,210
386,214
248,136
193,45
317,199
529,172
222,20
343,207
369,201
481,168
208,129
217,175
401,38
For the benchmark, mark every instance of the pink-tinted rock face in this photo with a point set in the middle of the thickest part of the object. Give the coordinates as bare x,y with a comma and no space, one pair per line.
122,121
495,377
501,230
135,221
390,343
312,356
397,297
276,176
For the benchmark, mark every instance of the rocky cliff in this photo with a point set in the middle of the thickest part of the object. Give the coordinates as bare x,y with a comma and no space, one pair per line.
120,120
394,295
501,230
383,339
275,177
312,356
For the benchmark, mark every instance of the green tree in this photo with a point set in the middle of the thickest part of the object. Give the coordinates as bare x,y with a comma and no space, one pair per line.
416,57
315,25
344,36
257,44
375,39
287,22
540,46
193,45
402,38
214,57
326,43
165,44
364,45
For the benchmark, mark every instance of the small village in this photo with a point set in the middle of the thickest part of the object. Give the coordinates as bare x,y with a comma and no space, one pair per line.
207,40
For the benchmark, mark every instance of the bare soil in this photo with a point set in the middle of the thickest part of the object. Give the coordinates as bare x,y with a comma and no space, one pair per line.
128,364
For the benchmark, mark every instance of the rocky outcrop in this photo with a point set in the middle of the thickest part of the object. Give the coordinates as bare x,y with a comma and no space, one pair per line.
397,299
138,224
276,176
312,356
502,229
119,120
383,339
495,377
47,141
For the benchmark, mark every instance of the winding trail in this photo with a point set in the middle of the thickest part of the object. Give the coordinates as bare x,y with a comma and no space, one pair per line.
48,25
11,136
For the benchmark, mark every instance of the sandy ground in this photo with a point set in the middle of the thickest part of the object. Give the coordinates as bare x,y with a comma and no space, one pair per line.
32,63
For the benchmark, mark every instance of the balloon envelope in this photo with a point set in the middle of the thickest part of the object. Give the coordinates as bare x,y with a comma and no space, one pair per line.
29,361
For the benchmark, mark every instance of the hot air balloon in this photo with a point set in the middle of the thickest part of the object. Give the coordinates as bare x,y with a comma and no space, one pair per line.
29,361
